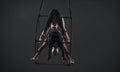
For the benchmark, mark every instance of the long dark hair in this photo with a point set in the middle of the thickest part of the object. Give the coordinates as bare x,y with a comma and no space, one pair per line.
59,20
56,13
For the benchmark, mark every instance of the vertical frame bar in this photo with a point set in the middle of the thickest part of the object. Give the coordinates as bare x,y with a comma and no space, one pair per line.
37,25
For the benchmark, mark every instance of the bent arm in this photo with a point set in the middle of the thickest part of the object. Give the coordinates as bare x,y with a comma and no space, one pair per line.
66,36
45,31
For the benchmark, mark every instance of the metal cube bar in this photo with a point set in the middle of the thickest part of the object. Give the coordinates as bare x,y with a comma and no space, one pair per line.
48,41
63,16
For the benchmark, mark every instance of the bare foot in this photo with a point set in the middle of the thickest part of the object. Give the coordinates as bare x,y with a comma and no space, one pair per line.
72,61
34,59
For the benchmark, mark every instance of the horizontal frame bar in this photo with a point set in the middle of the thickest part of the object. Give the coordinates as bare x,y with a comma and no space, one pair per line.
48,41
63,16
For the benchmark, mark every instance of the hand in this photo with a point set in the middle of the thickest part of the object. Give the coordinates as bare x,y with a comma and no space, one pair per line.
66,39
42,37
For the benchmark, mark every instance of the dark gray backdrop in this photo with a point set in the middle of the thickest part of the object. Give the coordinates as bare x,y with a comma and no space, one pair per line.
95,36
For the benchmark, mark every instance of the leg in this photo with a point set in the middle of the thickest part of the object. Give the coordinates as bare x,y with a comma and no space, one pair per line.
55,49
50,49
67,52
35,57
60,44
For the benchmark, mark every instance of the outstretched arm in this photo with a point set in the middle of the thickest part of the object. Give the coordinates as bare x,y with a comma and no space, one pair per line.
45,31
65,35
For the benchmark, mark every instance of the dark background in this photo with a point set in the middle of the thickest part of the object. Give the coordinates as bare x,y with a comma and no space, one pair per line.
95,43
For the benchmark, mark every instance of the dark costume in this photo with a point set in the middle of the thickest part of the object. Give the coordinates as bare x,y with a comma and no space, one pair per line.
55,40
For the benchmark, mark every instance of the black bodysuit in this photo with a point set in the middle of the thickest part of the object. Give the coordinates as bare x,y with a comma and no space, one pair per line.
55,38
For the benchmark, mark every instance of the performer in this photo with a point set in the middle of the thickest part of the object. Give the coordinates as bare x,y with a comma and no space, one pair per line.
55,35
